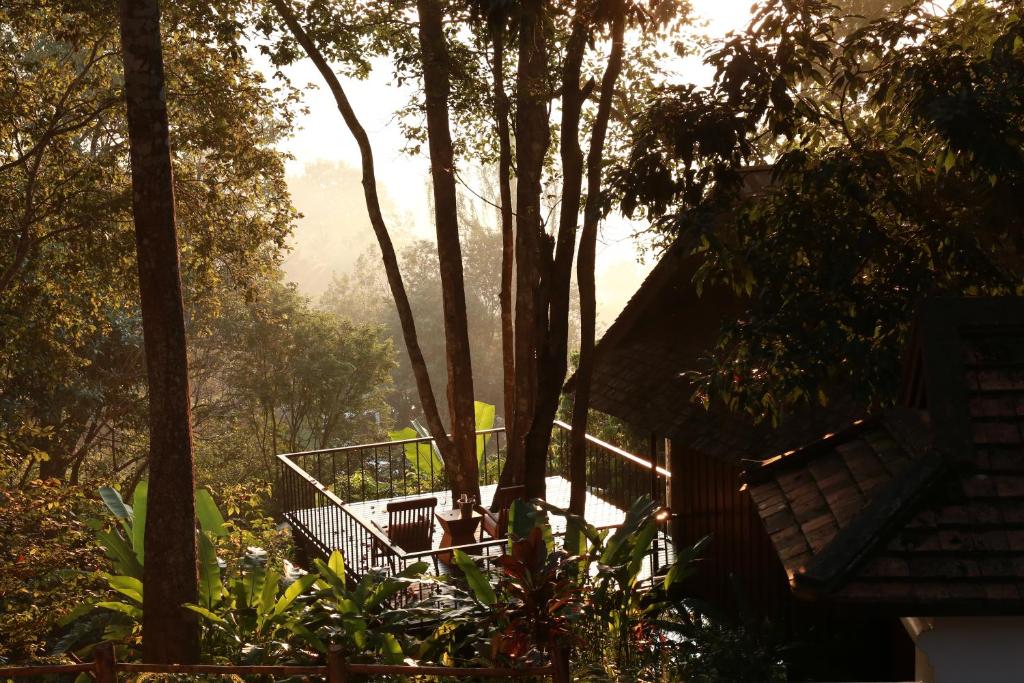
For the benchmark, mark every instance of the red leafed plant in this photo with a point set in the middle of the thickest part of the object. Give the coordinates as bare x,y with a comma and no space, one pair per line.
539,598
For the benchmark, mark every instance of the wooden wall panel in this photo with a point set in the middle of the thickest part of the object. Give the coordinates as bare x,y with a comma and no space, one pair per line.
740,560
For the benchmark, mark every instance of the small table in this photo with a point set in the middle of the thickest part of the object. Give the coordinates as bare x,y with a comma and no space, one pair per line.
458,530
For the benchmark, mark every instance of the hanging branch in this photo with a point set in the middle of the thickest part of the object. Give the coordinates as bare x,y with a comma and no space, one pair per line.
462,468
585,264
501,115
391,269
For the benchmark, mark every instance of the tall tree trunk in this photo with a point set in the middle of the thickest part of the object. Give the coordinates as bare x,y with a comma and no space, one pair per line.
585,269
462,469
507,232
170,632
552,347
533,253
387,248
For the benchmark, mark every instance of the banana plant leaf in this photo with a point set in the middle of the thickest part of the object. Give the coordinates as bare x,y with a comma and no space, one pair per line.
423,457
210,587
427,459
139,525
121,510
485,413
210,519
482,589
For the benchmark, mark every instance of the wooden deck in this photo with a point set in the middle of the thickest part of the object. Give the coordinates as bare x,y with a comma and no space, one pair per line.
325,524
598,512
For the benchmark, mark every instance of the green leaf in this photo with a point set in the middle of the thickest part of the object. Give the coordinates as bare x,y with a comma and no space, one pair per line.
269,593
308,636
293,591
205,613
210,519
381,593
122,607
249,589
330,579
112,499
638,513
139,525
482,589
641,546
484,413
336,563
420,455
347,606
520,519
210,588
120,553
391,649
128,586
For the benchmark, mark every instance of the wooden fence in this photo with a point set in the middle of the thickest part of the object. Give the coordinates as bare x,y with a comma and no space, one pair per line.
105,667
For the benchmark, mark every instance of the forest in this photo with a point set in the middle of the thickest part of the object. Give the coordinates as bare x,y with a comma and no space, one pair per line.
157,359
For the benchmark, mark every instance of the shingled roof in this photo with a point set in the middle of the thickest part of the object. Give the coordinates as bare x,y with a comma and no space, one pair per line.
919,510
664,332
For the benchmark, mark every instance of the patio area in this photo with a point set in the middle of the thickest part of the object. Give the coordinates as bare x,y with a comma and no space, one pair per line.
340,515
599,512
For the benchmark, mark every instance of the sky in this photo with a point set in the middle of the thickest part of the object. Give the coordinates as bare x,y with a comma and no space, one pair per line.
325,183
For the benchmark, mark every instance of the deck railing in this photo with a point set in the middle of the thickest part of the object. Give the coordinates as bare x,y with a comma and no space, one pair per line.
105,669
317,490
385,469
613,474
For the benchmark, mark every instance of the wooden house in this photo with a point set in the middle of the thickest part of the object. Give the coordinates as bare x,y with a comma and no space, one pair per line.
641,366
918,512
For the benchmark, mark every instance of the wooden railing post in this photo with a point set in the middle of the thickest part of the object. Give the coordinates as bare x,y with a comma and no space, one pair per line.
560,672
337,670
103,657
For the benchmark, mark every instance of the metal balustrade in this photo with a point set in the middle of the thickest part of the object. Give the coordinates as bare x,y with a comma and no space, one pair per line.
324,493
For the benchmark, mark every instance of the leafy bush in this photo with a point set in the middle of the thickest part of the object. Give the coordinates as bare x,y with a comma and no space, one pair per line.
51,562
116,615
535,604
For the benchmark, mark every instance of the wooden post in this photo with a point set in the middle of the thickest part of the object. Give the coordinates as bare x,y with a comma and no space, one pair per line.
560,671
103,656
337,671
674,490
654,498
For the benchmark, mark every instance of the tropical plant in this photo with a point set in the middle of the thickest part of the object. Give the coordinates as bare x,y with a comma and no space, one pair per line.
256,618
615,566
602,601
124,546
267,616
367,617
425,458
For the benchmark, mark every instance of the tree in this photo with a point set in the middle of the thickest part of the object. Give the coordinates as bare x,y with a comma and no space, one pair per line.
362,296
71,368
170,632
896,177
458,70
299,378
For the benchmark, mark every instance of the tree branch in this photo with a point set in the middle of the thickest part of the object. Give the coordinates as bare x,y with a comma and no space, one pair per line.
391,268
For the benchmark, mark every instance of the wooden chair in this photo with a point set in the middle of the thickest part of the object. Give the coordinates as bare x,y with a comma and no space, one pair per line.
495,518
411,523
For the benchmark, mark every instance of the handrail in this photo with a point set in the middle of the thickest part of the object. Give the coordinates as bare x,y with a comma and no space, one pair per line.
618,477
310,479
379,444
479,545
105,668
617,451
